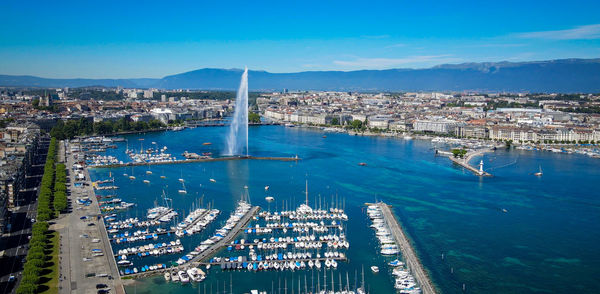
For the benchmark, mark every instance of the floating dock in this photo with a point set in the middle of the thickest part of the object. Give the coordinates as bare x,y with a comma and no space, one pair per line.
116,165
410,257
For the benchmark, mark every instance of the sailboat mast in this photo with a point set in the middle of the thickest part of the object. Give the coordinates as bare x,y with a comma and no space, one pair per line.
306,192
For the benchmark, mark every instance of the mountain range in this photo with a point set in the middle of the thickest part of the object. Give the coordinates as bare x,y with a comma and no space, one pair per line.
551,76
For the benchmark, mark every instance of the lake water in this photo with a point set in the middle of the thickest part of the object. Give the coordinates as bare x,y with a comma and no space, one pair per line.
546,242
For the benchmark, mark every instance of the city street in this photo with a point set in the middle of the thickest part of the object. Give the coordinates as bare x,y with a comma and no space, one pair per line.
14,244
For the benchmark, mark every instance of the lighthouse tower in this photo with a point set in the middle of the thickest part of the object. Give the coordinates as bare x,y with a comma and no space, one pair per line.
481,167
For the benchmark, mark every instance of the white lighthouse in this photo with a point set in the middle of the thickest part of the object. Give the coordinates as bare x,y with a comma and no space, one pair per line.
481,168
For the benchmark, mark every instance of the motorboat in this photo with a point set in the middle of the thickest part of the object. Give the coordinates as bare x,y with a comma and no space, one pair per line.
183,277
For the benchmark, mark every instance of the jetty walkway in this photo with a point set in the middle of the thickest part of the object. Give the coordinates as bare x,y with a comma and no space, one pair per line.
465,163
410,257
211,159
213,249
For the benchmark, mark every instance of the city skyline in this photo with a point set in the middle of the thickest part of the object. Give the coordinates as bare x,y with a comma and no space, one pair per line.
129,40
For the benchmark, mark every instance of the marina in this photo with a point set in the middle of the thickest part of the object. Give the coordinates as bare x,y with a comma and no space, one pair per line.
213,179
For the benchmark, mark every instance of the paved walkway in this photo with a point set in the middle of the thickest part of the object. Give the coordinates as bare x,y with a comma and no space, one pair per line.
80,272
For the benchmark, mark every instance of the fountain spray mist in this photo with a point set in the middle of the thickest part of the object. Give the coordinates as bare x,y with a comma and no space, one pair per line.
238,130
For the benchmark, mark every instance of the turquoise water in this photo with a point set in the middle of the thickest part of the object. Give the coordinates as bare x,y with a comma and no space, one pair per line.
546,242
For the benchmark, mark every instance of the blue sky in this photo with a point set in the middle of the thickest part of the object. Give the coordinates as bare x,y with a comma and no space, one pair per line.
129,39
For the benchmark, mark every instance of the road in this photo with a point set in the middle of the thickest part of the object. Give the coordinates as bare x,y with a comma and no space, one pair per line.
14,244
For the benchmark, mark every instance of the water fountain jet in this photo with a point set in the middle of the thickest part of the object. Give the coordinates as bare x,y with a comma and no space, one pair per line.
238,130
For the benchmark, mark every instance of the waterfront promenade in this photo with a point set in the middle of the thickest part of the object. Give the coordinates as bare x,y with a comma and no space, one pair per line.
410,257
80,271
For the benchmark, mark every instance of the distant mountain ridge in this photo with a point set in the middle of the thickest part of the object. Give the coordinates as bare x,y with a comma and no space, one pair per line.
562,76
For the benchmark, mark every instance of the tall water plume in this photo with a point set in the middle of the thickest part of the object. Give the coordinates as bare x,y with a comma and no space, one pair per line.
238,130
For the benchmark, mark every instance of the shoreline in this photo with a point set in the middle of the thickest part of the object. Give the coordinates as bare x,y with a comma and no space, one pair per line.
527,146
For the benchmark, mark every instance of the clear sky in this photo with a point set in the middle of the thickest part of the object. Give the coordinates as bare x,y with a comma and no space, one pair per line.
132,39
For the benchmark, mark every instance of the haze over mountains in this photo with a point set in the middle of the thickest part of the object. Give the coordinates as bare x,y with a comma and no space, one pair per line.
563,76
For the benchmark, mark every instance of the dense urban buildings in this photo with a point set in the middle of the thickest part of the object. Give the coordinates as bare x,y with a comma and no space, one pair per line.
520,118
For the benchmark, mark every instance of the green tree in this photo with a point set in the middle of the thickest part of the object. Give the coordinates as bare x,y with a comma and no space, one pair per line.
356,124
335,121
253,117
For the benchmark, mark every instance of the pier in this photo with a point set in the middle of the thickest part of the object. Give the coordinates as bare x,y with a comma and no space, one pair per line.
465,163
410,257
116,165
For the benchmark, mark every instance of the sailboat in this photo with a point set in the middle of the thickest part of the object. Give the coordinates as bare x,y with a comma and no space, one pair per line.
182,190
132,177
540,173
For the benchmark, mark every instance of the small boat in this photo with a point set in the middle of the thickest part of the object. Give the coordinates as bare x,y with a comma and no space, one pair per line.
181,191
269,198
207,143
362,163
163,177
396,263
504,210
167,276
324,137
266,188
375,269
183,277
175,277
181,180
131,177
213,180
540,173
146,182
125,175
148,172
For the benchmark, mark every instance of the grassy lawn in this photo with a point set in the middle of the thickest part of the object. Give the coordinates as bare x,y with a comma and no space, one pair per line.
49,279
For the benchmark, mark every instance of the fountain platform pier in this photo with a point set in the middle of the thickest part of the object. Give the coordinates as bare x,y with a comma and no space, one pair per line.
227,158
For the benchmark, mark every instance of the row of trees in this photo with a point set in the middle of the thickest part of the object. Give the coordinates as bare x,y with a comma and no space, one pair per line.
36,256
35,260
45,208
60,188
84,127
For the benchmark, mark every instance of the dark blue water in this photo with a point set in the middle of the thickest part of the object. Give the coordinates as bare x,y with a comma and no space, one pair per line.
547,241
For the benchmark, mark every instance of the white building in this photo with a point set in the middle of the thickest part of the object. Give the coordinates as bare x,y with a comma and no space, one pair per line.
435,126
